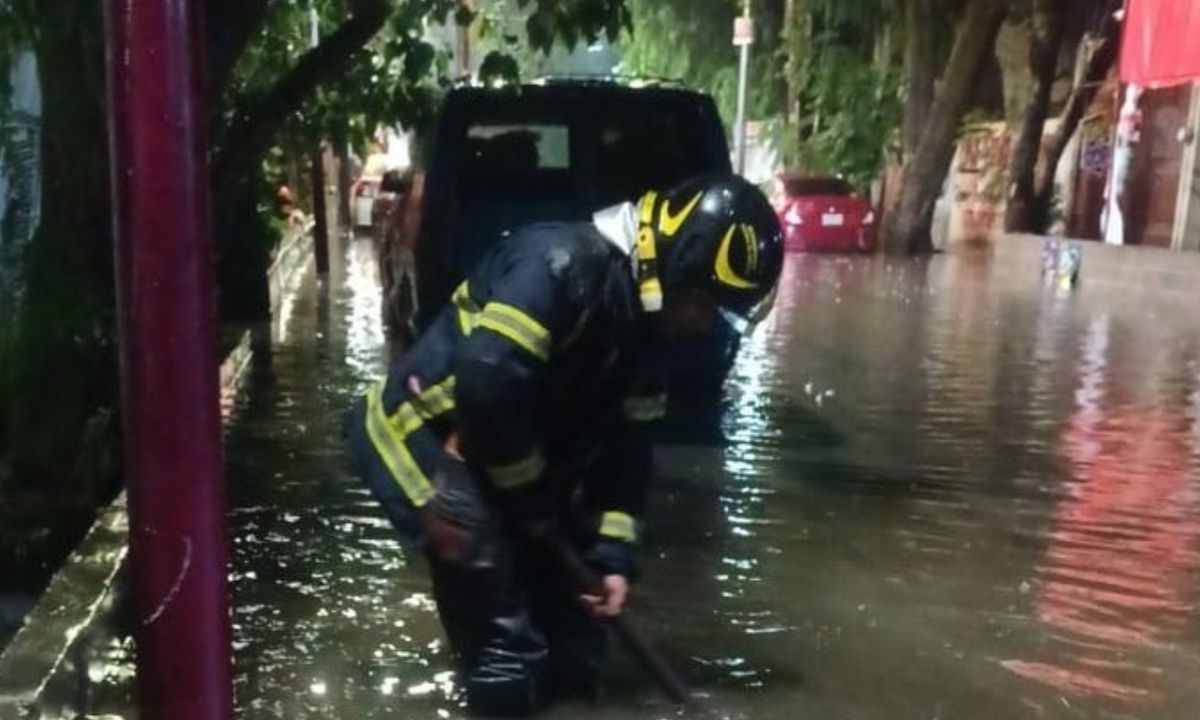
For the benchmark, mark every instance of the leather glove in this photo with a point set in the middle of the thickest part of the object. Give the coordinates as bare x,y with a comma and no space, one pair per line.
456,518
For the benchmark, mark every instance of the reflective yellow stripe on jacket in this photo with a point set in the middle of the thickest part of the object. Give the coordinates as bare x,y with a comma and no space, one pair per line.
468,311
389,434
516,325
508,321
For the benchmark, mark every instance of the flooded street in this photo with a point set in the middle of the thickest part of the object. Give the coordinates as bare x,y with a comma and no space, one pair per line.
943,492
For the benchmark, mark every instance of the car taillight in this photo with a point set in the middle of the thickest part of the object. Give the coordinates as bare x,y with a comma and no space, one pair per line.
869,218
792,216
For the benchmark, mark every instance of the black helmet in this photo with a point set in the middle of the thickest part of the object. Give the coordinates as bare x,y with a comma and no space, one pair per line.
715,232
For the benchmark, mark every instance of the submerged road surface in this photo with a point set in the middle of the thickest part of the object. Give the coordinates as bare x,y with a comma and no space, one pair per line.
937,491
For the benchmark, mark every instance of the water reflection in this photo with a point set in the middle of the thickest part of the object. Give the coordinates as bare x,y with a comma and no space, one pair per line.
940,492
1117,587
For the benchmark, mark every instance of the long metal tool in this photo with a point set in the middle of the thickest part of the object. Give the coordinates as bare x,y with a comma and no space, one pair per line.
578,571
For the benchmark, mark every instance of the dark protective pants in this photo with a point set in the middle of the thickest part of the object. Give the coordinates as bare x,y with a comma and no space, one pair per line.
511,615
519,635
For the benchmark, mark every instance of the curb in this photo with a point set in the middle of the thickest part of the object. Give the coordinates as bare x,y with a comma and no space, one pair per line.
49,667
49,655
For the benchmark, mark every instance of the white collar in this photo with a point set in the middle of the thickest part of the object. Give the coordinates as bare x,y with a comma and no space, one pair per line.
618,224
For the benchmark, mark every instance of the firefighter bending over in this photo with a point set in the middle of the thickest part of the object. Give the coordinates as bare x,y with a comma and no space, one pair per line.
524,416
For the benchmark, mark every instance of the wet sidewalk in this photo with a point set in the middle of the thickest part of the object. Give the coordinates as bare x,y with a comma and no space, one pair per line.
943,493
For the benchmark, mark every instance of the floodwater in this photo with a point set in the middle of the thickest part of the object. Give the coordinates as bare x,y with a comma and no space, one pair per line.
942,492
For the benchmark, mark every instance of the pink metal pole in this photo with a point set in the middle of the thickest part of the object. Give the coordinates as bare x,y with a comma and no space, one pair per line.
178,551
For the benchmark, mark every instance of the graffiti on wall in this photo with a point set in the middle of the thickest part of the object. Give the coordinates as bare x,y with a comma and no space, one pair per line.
1095,150
979,183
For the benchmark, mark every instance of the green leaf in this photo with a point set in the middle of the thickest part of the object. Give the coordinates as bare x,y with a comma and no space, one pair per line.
464,15
418,61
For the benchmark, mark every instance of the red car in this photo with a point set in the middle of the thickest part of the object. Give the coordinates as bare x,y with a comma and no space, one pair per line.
823,214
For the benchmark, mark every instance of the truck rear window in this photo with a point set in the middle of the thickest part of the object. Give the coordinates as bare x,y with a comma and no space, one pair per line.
518,148
644,146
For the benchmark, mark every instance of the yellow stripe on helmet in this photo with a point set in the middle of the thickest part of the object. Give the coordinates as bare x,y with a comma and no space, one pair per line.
725,272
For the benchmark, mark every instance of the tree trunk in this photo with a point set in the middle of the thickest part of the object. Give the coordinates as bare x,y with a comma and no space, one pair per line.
910,225
791,102
1049,26
320,216
1100,62
62,377
344,181
230,25
920,70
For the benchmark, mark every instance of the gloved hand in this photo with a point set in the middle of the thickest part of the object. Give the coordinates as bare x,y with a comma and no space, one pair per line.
456,517
448,541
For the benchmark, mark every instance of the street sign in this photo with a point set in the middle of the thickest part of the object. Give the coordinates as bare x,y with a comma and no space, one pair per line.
743,31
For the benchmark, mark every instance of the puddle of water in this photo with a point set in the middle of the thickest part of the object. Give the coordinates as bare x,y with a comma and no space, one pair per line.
943,494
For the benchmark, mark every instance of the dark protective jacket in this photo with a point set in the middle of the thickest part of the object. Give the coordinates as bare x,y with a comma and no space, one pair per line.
545,366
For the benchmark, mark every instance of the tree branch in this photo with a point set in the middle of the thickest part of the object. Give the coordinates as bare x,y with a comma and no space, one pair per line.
1047,31
229,24
254,124
920,71
909,224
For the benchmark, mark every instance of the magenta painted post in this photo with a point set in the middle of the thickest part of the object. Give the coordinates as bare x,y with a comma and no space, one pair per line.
173,458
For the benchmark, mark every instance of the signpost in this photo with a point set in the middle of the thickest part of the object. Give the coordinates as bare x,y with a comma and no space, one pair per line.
743,38
320,212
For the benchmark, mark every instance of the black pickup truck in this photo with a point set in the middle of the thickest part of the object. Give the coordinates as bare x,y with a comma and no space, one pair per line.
560,150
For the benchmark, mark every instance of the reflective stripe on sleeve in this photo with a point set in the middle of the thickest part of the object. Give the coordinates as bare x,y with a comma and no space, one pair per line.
517,326
468,311
433,402
519,474
618,526
646,408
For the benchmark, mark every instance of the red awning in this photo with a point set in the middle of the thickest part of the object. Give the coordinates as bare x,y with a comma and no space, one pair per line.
1162,42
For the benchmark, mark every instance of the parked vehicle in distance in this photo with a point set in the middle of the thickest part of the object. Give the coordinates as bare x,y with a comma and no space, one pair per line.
558,151
365,191
821,213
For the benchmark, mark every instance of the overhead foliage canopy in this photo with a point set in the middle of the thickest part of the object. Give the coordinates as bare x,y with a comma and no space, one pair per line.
270,92
843,73
823,74
692,42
